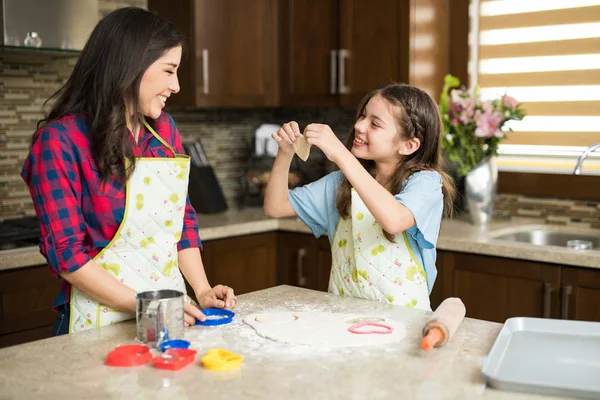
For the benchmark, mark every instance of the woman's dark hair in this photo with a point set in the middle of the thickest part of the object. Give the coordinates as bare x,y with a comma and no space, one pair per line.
417,116
106,79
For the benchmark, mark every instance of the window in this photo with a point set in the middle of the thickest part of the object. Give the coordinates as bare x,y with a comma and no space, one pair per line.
546,54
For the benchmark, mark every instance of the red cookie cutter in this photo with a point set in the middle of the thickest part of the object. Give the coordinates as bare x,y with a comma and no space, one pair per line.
355,328
174,359
128,355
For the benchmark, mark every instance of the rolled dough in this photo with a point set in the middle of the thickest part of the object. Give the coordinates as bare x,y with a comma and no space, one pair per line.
322,328
302,148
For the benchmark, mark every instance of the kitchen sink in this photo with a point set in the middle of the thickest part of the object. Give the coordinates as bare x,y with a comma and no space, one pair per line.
550,237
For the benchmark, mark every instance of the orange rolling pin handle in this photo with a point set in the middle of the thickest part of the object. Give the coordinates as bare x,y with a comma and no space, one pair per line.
433,337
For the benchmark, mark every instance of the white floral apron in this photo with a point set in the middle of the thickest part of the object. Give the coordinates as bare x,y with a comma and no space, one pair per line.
143,252
368,266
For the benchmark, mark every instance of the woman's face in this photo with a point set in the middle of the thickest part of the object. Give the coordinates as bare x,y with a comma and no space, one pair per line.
159,82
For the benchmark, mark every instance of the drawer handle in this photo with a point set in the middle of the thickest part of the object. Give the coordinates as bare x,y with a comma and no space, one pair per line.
205,78
332,59
343,55
300,267
547,299
566,293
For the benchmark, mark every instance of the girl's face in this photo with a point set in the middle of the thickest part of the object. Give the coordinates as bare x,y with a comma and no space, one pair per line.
376,135
159,82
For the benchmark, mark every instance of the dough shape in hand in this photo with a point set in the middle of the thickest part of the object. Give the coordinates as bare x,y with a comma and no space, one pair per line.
302,148
322,328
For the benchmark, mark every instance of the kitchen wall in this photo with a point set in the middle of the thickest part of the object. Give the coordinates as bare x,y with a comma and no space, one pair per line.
27,79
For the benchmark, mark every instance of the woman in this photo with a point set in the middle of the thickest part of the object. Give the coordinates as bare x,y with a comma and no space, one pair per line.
108,182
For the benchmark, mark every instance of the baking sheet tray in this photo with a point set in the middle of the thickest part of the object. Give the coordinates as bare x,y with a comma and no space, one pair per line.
546,356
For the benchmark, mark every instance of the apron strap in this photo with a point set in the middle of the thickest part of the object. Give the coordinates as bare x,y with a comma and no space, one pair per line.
156,135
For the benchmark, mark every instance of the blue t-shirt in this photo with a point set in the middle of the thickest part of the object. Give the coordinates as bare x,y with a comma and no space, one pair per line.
422,194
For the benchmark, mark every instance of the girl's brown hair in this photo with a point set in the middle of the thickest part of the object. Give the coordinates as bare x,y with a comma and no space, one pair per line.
417,116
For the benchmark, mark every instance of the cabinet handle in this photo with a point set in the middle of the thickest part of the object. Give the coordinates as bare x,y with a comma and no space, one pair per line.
342,88
332,59
300,267
205,71
547,299
566,293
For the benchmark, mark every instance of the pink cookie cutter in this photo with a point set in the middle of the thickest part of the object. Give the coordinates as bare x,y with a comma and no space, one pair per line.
355,328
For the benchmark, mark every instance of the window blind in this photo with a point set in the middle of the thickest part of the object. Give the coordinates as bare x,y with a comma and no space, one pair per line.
546,54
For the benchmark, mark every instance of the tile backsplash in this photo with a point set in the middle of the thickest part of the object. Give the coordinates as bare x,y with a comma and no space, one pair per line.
575,213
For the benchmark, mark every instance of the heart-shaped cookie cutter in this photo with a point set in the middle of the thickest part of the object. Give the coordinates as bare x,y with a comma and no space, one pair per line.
355,328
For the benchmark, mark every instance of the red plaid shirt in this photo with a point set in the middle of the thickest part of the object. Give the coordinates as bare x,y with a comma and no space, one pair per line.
79,216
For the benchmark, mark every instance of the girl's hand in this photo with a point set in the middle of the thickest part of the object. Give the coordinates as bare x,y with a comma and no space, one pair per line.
323,137
286,136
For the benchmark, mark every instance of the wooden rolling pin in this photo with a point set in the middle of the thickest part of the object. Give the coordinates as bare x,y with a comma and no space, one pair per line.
442,324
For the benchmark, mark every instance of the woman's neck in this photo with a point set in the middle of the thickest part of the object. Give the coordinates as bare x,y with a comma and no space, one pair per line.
134,127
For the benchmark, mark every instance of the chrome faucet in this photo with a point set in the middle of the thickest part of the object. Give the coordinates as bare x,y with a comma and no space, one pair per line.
583,156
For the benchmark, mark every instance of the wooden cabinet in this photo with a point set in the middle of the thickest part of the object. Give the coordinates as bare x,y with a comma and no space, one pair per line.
257,53
332,52
245,263
580,294
496,288
231,51
26,298
303,261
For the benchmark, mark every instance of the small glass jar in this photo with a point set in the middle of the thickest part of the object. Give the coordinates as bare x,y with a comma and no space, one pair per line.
33,40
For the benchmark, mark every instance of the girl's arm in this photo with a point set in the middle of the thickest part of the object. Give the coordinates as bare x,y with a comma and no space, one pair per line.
276,202
393,216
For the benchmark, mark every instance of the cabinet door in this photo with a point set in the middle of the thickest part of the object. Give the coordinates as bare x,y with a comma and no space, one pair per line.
495,288
323,265
309,42
371,46
181,14
304,261
437,294
235,46
26,297
245,263
295,255
580,294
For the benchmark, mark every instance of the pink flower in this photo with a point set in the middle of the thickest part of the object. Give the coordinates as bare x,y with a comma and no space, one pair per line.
509,102
488,122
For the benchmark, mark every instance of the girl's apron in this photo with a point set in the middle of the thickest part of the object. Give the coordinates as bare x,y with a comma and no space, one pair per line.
143,252
368,266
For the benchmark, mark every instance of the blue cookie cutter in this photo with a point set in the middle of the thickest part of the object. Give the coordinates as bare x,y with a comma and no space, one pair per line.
226,317
174,344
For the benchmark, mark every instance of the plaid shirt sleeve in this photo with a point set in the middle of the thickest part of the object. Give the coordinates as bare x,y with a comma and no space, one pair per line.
52,173
189,234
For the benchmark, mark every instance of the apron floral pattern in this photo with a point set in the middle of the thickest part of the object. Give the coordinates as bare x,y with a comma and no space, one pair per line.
143,253
368,266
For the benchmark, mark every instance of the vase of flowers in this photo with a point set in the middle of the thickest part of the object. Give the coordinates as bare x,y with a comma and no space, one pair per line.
473,129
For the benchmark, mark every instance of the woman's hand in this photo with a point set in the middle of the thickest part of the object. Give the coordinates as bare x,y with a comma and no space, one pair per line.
286,136
323,137
217,297
191,314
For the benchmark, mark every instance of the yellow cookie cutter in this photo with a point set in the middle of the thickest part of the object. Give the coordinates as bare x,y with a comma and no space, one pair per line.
221,360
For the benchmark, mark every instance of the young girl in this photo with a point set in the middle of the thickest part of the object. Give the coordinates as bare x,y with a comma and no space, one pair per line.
383,210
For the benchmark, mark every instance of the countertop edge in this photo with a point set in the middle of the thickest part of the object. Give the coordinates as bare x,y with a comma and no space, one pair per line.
447,241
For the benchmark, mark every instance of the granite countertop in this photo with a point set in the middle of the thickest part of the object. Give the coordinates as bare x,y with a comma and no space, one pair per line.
71,366
455,235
